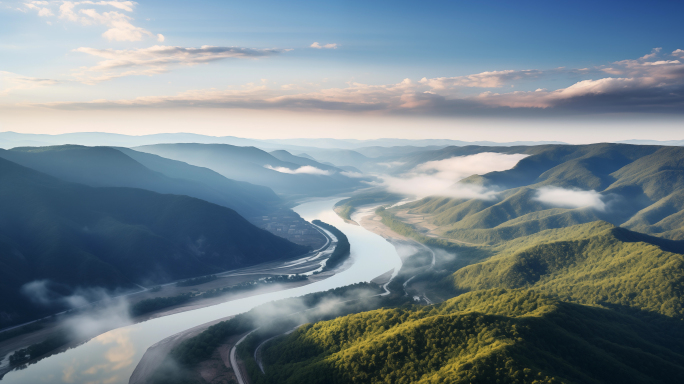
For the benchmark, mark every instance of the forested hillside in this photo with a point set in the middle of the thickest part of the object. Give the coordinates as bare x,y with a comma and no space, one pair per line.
594,263
70,235
637,187
493,336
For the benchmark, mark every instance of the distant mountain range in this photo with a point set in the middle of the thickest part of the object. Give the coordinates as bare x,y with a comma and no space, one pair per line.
66,236
283,172
123,167
14,139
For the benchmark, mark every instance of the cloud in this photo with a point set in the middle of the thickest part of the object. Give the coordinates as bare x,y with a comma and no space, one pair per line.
12,82
440,177
98,311
648,84
120,27
326,46
157,59
38,6
391,164
354,175
493,79
571,198
306,169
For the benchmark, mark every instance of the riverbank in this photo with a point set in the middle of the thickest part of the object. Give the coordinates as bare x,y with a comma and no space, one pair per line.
61,325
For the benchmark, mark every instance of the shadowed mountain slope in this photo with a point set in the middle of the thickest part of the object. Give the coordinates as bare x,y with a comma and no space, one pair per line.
256,166
79,236
122,167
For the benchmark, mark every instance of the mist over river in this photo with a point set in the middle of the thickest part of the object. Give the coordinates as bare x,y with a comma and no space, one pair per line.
111,357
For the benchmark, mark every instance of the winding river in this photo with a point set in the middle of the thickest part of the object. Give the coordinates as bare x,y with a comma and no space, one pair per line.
111,357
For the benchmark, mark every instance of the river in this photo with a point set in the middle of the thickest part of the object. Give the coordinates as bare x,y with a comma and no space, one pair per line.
111,357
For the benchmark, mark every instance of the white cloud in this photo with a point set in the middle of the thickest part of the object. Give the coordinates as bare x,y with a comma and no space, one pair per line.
157,59
639,80
326,46
649,83
13,82
119,24
571,198
306,169
493,79
354,175
440,177
391,164
38,6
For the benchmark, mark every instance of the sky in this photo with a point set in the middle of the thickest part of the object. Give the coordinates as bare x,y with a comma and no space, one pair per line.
574,71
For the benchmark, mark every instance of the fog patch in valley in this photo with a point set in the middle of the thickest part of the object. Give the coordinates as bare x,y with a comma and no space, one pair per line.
441,177
305,169
300,311
92,311
571,198
353,175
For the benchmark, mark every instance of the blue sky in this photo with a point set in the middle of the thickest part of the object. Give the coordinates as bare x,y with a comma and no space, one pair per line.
70,65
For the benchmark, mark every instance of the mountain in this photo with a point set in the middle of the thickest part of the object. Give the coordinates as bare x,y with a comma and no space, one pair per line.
256,166
491,336
123,167
14,139
637,187
329,143
73,236
342,157
287,157
594,263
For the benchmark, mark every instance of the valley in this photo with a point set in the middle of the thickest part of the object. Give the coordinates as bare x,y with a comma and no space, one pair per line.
535,233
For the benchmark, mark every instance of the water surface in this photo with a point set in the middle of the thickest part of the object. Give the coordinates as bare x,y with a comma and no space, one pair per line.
111,357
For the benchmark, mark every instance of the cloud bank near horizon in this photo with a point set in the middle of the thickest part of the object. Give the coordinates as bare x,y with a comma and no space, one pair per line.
651,83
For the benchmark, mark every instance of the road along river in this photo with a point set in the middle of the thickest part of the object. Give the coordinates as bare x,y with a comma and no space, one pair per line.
112,357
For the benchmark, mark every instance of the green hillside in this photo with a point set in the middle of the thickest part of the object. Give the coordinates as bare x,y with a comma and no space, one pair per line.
593,263
641,187
72,235
493,336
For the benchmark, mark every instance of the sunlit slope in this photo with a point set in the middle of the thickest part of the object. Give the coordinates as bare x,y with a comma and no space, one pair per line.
493,336
641,187
122,167
256,166
594,263
79,236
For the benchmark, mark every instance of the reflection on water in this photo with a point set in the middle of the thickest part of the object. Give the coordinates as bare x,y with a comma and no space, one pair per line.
111,357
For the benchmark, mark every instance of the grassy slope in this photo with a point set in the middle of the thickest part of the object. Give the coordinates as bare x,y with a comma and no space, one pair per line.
489,336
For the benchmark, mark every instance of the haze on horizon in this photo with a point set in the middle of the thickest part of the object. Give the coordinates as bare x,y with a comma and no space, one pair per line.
499,71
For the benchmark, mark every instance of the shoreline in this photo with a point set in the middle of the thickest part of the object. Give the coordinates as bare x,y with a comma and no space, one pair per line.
236,276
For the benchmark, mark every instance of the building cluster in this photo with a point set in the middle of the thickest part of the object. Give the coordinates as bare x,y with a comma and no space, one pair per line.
293,228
